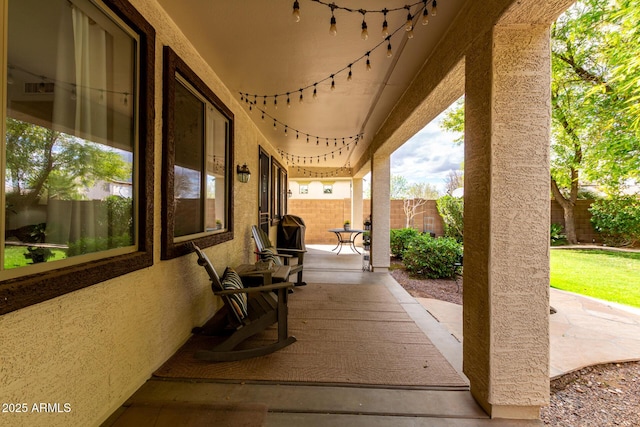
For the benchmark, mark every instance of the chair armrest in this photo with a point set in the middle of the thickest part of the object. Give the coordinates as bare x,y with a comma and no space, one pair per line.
267,288
279,255
297,251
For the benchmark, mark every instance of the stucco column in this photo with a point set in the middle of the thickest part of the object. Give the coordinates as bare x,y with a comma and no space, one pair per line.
380,211
506,213
356,204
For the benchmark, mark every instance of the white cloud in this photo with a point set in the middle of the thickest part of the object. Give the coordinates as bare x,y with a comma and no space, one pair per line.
429,156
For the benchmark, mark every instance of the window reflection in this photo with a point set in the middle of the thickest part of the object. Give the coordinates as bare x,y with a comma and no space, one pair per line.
69,146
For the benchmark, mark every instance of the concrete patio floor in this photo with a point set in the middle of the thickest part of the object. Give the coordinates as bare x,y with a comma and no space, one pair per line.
309,405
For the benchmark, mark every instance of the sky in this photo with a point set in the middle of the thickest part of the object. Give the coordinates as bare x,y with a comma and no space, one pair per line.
428,156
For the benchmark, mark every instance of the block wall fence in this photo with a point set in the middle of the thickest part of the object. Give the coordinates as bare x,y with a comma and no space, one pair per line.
321,215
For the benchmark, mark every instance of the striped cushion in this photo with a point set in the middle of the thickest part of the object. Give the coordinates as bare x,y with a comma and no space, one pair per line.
270,255
231,280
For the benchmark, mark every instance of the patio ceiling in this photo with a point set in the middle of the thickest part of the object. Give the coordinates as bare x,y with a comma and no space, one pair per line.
256,47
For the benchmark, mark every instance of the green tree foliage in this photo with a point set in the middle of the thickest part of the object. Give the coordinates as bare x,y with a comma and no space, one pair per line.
617,219
595,100
451,210
399,187
593,136
43,162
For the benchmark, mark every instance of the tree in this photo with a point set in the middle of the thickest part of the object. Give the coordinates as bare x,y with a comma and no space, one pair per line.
417,195
453,181
593,137
42,162
399,187
594,99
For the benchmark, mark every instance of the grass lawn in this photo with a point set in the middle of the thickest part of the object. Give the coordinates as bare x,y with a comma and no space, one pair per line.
609,275
14,256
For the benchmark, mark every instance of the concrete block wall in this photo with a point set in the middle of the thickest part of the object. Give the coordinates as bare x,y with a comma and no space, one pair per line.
321,215
584,230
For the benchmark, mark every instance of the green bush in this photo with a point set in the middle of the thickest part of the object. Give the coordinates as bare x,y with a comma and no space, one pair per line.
451,209
617,219
400,239
433,258
87,245
557,236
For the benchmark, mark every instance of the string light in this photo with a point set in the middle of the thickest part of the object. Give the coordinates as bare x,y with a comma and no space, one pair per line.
296,11
385,24
364,34
434,8
318,158
103,94
333,29
425,14
365,57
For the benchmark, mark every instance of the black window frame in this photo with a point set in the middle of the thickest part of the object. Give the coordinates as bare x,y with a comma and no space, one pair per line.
21,292
174,65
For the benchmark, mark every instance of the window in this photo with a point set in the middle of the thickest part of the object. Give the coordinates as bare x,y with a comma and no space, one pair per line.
78,131
304,189
327,188
278,191
197,171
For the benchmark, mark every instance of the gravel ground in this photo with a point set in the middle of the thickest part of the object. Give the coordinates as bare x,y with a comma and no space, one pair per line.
596,396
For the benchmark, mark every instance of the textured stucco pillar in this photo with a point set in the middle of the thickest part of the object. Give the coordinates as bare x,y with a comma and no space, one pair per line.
356,204
380,211
506,235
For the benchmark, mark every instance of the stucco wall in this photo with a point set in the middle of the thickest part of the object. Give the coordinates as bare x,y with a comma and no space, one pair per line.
94,347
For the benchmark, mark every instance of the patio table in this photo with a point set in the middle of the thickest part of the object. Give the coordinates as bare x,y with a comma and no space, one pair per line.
346,236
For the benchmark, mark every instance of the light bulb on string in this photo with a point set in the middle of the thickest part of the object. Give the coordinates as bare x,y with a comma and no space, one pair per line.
410,34
297,136
389,51
350,75
434,8
264,102
286,130
275,102
408,26
296,11
385,24
263,115
315,91
333,83
365,33
288,101
425,15
368,62
333,29
275,127
301,99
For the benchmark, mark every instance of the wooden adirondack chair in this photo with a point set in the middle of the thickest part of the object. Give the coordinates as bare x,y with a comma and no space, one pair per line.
246,312
279,256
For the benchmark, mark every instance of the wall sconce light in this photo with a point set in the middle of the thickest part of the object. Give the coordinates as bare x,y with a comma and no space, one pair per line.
243,173
289,193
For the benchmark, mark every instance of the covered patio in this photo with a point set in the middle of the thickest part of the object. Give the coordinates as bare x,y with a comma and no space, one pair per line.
392,393
87,332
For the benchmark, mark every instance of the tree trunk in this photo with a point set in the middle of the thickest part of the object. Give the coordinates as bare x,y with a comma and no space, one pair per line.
568,209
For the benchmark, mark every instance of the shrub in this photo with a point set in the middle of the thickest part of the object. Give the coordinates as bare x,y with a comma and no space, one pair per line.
433,258
451,209
400,239
617,219
557,236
